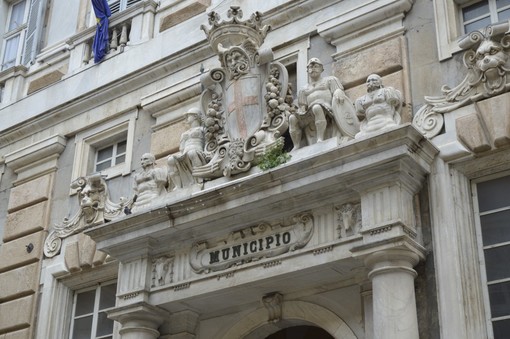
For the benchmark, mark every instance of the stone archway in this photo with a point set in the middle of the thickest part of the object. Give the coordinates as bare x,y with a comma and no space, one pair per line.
294,313
301,332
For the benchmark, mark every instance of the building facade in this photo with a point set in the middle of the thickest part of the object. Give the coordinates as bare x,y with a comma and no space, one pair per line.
255,169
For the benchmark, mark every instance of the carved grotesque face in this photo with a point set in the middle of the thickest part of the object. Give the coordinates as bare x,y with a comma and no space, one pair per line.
90,200
490,55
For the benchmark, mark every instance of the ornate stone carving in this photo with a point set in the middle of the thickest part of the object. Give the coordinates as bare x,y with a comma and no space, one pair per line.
245,100
191,152
162,271
349,219
487,61
379,109
95,208
149,184
251,244
273,303
322,103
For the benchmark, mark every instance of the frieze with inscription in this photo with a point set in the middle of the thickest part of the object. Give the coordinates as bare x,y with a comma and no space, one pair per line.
251,244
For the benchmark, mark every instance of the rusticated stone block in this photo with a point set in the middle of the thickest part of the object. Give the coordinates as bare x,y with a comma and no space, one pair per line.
21,334
16,314
26,221
19,252
30,193
166,140
46,80
183,14
471,133
383,58
72,258
19,282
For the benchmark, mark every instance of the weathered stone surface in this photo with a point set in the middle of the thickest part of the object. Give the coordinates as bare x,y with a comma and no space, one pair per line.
46,80
183,14
16,314
16,253
30,193
166,140
21,334
26,221
72,258
471,133
382,59
18,282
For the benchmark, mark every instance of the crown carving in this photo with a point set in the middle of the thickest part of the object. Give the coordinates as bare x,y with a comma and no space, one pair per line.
228,33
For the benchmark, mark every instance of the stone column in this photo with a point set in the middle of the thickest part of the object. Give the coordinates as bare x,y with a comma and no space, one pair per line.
139,320
394,302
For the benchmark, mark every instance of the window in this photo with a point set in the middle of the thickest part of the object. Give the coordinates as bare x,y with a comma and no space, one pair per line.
105,148
454,18
482,13
494,233
90,320
16,24
110,156
120,5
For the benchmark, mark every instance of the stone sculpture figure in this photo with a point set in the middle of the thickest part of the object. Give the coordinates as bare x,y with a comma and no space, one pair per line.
379,109
149,184
191,152
322,100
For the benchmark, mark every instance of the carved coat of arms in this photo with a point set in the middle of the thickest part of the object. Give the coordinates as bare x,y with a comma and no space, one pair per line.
245,100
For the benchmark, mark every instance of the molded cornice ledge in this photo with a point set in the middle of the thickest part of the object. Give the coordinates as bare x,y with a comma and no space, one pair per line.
371,21
36,159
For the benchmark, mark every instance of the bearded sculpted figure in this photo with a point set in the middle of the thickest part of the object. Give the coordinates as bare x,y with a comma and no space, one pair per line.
379,109
487,62
150,183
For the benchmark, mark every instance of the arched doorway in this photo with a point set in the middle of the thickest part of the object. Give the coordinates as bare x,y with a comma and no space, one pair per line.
301,332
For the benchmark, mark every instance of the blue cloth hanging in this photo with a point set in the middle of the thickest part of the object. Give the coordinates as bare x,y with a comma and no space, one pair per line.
100,44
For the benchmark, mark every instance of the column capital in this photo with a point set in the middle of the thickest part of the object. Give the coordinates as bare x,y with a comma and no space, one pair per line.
139,320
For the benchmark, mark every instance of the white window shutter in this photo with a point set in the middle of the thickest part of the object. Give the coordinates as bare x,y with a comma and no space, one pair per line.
33,32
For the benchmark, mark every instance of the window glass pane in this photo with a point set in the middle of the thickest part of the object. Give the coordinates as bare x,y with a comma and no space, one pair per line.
501,329
103,166
104,325
496,262
11,51
475,10
494,194
121,147
504,15
107,298
82,328
502,3
120,159
477,25
17,14
85,303
499,295
495,227
104,153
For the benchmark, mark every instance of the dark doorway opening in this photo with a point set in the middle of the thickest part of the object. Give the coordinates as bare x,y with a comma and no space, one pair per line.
301,332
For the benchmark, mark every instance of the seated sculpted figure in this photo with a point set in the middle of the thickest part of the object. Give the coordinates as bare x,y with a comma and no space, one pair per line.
149,184
191,152
379,109
322,102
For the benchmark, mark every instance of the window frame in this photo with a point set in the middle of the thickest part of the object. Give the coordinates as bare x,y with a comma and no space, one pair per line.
95,314
481,248
88,141
19,31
